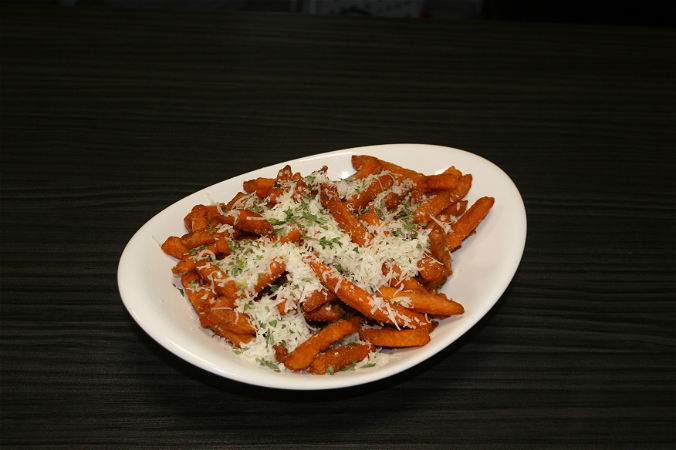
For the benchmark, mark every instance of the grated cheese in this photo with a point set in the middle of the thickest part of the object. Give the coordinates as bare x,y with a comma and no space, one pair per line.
395,241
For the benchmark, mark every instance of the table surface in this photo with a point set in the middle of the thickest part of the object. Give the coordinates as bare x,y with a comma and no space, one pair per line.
109,116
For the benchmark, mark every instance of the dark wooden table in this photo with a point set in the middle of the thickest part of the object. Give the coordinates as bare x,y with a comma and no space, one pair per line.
110,116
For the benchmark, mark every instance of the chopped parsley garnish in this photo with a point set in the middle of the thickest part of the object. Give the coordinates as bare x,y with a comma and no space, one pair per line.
269,364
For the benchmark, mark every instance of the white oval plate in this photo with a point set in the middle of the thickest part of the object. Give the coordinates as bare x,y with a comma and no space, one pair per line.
483,267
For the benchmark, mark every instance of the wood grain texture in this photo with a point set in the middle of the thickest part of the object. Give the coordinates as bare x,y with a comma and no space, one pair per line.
110,116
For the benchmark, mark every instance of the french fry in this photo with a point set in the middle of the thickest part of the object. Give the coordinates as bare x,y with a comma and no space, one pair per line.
433,206
401,282
452,170
303,355
301,191
437,304
391,201
246,220
317,299
270,274
362,301
419,180
197,218
281,352
462,187
259,186
292,233
469,221
223,283
391,337
335,359
224,302
364,165
370,218
229,319
200,296
204,236
189,260
175,247
345,218
231,204
360,199
431,269
329,312
456,209
287,305
443,181
284,176
439,248
238,339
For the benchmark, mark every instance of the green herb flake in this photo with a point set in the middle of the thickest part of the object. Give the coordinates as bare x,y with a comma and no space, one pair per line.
266,363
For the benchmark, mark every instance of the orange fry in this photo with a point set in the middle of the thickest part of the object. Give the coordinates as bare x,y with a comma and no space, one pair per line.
189,261
456,209
469,221
317,299
175,247
238,339
433,206
246,220
370,218
419,180
306,352
204,236
270,274
333,360
391,201
200,296
452,170
292,233
442,181
231,204
300,191
284,176
347,221
400,282
443,200
364,165
330,312
425,303
360,199
362,301
223,284
224,302
229,319
258,185
391,337
196,218
439,248
431,269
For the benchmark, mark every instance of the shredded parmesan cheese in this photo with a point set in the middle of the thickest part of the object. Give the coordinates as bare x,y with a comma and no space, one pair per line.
397,241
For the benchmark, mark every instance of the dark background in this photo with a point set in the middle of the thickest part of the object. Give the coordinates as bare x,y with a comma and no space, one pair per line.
660,13
108,115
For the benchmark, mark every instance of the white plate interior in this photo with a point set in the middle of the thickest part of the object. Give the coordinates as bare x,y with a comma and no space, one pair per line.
483,267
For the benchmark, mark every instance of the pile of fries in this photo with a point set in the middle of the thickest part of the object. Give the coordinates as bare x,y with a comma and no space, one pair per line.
312,275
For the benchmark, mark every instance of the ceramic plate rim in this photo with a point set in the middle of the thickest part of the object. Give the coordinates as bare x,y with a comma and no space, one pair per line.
163,313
